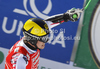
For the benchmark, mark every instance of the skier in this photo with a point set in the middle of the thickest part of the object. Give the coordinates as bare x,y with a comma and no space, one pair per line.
25,53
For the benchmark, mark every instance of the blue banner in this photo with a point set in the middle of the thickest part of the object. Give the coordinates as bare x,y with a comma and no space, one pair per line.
14,13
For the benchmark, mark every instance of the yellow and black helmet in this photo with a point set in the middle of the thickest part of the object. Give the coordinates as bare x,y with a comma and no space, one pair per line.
36,26
36,29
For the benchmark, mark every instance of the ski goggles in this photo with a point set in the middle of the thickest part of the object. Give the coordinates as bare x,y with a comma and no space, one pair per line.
44,38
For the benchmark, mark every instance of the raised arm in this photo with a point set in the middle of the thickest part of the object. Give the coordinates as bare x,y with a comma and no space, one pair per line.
70,15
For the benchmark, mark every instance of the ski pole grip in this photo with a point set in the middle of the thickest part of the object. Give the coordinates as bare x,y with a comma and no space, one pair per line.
75,16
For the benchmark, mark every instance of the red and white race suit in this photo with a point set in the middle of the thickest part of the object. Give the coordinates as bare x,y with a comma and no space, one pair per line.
21,57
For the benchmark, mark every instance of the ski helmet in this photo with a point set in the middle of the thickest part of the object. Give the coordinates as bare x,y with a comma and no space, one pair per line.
35,29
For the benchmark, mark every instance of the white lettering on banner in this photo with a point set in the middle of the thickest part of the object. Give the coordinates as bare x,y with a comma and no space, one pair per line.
59,39
13,26
4,26
19,28
34,9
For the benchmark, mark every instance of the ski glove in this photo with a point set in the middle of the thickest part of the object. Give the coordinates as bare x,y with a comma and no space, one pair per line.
74,15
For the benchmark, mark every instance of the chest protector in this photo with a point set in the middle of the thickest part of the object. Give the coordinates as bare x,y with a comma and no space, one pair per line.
33,59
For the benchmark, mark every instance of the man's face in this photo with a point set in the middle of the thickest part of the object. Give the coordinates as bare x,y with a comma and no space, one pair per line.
40,45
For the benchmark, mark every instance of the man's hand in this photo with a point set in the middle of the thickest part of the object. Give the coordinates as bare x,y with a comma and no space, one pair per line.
74,14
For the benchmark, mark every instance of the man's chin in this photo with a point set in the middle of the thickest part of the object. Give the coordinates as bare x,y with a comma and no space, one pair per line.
42,48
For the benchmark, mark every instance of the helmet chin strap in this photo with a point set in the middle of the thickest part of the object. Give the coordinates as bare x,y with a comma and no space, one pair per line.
31,44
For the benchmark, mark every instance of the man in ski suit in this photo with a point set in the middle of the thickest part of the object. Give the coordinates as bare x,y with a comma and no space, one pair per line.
25,53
